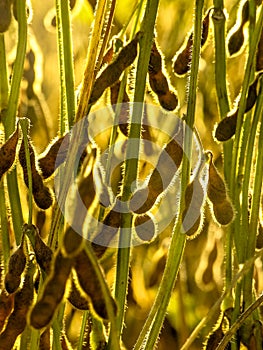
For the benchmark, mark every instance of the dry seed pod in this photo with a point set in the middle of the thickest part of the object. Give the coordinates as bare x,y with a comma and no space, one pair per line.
16,266
145,227
223,212
41,193
158,81
90,284
214,339
72,242
113,71
53,156
6,306
236,41
5,18
53,293
8,152
226,128
87,190
144,198
183,58
17,320
44,341
76,299
43,253
194,201
109,229
217,193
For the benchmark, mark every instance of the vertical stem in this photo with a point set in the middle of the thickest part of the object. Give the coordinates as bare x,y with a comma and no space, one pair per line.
150,332
131,163
10,117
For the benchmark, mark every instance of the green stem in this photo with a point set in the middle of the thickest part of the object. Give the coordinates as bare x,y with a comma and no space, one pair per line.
131,163
66,58
254,216
4,76
10,117
85,317
150,332
219,21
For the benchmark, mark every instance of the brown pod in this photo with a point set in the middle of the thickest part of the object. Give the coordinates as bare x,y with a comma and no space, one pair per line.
145,227
252,94
155,62
90,284
16,266
87,190
194,201
124,112
17,320
53,156
168,101
44,340
216,190
223,212
5,18
226,128
72,242
113,71
8,152
108,231
76,299
43,253
43,198
181,64
217,194
214,339
6,306
41,193
53,293
182,60
144,198
236,41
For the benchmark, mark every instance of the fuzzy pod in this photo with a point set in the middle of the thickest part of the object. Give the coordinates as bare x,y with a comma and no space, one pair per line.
223,212
144,199
53,156
158,81
215,338
236,41
5,18
182,60
108,231
216,191
6,307
43,253
17,320
86,190
252,94
226,128
90,284
72,242
113,71
169,100
8,152
16,267
145,227
44,340
53,293
194,201
75,297
41,193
